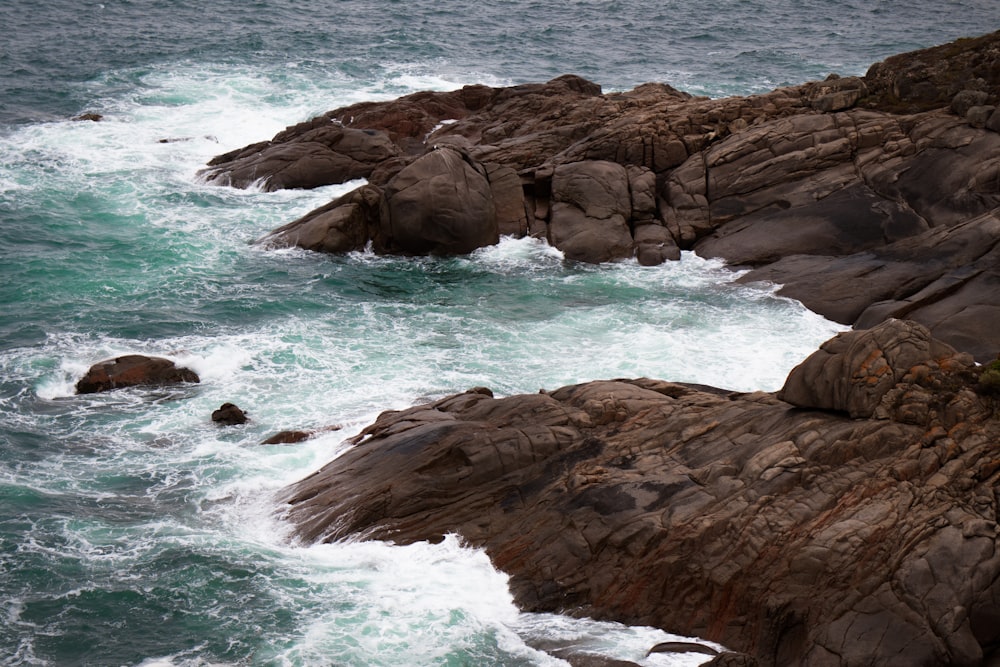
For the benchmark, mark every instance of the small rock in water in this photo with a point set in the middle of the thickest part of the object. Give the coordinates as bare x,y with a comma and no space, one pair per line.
291,436
133,370
229,415
287,437
682,647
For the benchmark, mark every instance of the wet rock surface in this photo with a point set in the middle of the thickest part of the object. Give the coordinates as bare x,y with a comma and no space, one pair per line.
848,519
229,414
133,370
887,184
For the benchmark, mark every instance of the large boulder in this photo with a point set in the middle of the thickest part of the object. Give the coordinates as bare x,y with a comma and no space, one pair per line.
133,370
856,370
591,208
508,198
802,536
229,414
442,204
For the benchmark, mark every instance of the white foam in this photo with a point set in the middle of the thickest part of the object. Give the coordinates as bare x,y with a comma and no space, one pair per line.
522,254
213,488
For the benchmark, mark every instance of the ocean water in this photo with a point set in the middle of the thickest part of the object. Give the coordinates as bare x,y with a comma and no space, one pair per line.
133,531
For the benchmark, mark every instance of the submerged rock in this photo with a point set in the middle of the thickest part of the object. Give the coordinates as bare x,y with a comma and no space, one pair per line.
853,522
133,370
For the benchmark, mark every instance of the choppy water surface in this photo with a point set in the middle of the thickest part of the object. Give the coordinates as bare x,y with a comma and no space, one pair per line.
135,532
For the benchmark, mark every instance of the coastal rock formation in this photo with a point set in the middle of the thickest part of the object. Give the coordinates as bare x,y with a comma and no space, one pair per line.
229,414
849,519
591,207
306,155
889,183
133,370
441,204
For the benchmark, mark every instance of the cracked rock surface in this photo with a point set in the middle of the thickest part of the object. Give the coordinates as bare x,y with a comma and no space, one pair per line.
848,519
864,197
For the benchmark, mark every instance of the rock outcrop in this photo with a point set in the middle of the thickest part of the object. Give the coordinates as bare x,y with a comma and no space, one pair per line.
888,182
308,155
133,370
441,204
849,519
229,414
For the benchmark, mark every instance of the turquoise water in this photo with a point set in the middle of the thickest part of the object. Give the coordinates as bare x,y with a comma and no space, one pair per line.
135,532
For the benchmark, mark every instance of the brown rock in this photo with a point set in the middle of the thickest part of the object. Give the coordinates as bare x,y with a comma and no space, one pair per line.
979,116
836,93
407,121
930,78
854,371
293,437
229,414
966,99
591,207
654,245
133,370
315,153
942,279
993,122
795,535
345,224
442,204
508,199
288,437
841,190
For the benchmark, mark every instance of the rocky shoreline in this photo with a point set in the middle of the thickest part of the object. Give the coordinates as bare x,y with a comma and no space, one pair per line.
848,519
865,197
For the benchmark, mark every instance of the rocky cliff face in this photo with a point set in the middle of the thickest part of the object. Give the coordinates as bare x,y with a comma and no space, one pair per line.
865,197
849,519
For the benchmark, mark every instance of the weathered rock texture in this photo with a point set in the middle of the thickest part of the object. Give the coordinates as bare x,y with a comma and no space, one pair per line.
850,519
133,370
887,183
306,155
